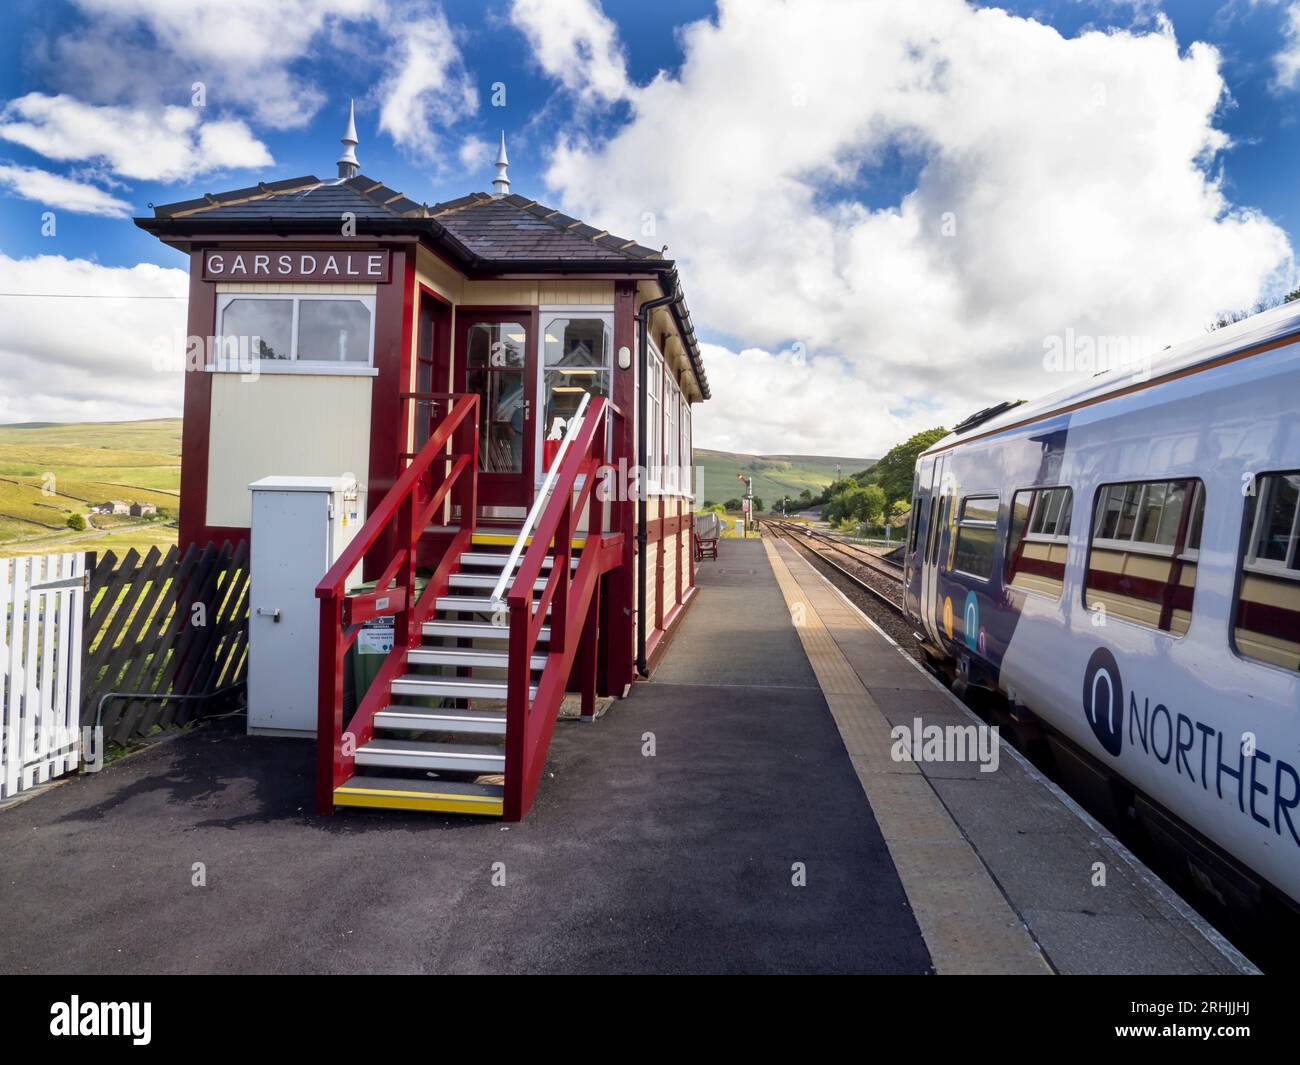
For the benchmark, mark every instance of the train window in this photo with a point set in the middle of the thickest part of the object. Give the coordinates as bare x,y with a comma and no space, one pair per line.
1267,625
1143,555
977,537
1038,539
915,521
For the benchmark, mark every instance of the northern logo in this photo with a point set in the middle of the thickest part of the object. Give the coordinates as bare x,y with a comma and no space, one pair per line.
1103,700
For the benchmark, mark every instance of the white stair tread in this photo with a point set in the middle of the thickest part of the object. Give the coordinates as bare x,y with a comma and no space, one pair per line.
419,786
498,561
474,630
453,687
488,580
478,604
414,754
456,656
450,750
420,719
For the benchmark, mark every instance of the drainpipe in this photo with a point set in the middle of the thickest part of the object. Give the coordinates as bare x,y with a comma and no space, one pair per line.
642,505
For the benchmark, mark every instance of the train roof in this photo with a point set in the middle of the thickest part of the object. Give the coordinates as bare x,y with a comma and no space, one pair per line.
1253,335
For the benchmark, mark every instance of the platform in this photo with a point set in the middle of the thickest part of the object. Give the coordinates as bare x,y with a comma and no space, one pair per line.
737,813
1001,868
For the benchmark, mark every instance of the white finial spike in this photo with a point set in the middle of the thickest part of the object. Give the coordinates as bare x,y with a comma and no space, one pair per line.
348,165
501,183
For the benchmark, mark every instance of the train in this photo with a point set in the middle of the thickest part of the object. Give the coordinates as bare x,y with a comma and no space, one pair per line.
1118,565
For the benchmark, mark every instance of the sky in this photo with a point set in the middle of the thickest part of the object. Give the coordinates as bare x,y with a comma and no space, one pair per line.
886,214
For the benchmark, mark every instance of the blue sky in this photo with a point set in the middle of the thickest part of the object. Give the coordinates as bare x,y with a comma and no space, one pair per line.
797,233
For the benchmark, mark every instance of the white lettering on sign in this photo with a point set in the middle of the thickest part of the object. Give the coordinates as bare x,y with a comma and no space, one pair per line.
296,265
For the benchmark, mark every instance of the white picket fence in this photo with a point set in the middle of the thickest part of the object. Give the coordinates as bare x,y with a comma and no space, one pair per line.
42,602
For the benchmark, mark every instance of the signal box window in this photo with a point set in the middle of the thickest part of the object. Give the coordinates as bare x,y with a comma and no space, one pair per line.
1142,559
977,537
1267,625
1039,539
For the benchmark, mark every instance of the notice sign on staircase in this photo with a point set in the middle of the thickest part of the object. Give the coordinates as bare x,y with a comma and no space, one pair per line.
376,636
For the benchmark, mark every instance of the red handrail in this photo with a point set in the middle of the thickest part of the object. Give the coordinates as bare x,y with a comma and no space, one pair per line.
434,476
571,596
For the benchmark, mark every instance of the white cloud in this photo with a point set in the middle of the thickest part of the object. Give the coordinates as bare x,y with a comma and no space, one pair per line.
54,368
576,43
1053,183
167,144
474,154
242,50
784,403
427,86
53,190
1287,60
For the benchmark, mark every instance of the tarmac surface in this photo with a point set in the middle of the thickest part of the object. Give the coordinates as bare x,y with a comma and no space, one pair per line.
681,862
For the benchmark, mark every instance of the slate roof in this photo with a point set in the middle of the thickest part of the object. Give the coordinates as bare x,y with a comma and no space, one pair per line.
510,229
484,233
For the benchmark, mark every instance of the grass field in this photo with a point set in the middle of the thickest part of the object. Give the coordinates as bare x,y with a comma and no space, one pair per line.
48,472
773,475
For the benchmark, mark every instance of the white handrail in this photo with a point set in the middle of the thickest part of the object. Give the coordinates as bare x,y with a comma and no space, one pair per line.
575,423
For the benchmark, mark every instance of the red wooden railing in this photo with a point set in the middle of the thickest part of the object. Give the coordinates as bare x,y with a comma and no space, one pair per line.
434,476
574,601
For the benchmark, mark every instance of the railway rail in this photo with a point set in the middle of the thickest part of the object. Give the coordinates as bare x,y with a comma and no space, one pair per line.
879,578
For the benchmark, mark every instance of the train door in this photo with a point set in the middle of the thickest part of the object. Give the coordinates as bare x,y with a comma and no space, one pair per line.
930,551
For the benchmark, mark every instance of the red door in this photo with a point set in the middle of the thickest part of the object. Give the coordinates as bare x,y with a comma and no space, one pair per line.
495,359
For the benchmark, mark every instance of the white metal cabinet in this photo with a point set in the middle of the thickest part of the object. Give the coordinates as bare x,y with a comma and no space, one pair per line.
300,527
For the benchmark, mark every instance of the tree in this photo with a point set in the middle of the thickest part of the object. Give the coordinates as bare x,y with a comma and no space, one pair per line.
76,522
894,472
758,504
870,504
1233,317
899,512
732,504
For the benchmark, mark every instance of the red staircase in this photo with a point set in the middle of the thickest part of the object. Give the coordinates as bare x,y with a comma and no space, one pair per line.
479,671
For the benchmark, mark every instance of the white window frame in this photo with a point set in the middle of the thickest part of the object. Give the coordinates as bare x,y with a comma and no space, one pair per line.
687,460
654,418
1040,495
964,522
1145,547
219,363
545,315
1272,567
672,442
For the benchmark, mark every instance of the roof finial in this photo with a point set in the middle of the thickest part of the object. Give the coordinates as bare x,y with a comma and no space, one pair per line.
501,183
348,165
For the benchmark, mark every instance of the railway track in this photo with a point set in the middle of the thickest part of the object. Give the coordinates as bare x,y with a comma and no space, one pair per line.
876,577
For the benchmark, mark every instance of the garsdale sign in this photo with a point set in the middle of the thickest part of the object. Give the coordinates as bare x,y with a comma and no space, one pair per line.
1260,785
272,264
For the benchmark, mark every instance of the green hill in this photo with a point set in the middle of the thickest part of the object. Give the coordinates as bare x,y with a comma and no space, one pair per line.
90,462
774,475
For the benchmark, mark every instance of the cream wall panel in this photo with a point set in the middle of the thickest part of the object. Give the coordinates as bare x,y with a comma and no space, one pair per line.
437,275
283,425
576,293
501,293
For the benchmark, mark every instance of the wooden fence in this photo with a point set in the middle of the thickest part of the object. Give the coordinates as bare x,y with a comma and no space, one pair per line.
165,625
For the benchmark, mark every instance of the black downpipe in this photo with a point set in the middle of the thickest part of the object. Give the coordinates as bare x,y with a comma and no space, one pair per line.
642,505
